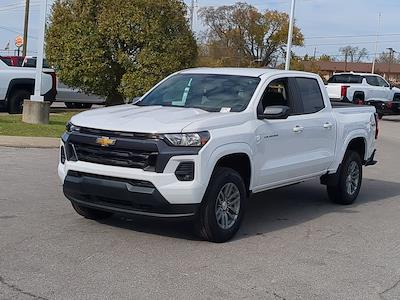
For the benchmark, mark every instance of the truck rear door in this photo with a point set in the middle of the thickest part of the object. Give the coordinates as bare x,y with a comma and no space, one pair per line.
301,145
318,123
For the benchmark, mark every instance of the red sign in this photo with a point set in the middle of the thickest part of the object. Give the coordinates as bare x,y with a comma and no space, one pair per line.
19,41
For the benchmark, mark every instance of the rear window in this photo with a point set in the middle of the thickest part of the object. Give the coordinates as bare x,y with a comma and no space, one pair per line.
7,61
345,78
311,95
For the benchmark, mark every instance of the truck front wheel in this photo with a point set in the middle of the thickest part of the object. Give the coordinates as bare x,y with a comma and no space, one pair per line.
89,213
349,182
223,206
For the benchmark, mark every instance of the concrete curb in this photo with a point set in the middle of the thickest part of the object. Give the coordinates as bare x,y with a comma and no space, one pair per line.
29,142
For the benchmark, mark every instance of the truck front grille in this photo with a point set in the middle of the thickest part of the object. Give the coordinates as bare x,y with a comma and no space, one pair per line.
116,157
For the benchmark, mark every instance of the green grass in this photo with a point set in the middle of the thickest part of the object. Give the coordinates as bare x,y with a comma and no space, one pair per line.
13,126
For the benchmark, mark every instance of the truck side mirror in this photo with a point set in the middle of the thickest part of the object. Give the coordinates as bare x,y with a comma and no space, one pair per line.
275,112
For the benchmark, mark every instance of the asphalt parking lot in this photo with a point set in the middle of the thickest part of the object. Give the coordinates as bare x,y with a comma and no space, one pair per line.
294,244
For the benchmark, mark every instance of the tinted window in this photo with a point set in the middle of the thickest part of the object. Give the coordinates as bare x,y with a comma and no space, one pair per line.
372,80
345,78
382,82
7,61
206,91
276,93
311,95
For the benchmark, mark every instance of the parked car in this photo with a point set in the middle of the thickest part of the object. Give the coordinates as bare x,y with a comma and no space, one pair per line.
365,88
17,84
200,142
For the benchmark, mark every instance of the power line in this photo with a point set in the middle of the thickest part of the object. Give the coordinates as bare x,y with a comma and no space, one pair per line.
352,43
350,36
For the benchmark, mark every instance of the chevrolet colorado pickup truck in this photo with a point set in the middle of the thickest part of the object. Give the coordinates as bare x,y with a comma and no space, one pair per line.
200,142
365,88
17,84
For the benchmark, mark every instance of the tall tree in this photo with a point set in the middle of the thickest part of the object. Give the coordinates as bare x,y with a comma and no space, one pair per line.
353,54
247,35
118,48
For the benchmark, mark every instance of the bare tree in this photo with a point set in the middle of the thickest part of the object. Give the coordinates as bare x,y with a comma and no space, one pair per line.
353,54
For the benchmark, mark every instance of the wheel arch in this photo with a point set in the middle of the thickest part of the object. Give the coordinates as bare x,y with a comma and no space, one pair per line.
20,83
236,156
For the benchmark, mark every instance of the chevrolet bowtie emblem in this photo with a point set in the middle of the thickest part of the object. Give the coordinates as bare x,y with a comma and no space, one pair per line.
105,141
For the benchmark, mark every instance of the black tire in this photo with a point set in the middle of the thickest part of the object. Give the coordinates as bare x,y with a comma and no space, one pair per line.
207,224
69,104
16,101
86,105
90,213
342,193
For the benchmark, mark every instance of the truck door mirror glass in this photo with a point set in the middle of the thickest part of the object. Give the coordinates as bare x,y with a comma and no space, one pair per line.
275,112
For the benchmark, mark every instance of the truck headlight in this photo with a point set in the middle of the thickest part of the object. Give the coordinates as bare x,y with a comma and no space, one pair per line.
72,128
197,139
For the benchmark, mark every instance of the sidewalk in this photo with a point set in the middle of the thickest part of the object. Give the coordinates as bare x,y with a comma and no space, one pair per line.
29,142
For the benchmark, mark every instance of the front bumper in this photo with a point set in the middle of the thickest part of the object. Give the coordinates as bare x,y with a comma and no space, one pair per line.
127,196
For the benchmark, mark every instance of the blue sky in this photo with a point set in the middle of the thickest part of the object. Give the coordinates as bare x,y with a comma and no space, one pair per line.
326,24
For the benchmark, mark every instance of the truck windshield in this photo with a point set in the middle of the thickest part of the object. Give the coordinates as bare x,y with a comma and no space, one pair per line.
209,92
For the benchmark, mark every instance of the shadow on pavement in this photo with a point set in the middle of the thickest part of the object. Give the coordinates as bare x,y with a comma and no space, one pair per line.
271,210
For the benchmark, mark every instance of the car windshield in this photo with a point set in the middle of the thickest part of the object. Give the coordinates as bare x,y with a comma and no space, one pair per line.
209,92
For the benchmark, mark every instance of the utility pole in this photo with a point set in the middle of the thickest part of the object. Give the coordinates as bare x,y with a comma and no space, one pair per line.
376,44
391,56
191,14
24,51
290,36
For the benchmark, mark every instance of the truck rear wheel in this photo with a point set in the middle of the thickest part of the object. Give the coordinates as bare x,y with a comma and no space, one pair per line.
349,183
90,213
16,101
223,206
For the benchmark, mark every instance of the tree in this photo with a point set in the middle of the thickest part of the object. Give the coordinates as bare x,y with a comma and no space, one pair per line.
353,54
242,33
118,48
388,58
325,57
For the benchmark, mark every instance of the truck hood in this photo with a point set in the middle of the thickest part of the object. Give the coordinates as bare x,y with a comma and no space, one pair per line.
153,119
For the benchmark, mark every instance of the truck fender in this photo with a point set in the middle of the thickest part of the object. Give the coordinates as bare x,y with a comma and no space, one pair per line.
26,82
228,149
359,133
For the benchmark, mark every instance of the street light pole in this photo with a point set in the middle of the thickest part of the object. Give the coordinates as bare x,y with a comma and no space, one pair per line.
36,110
376,44
39,60
290,36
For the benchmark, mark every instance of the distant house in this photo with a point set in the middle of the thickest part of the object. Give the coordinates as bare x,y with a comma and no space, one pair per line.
328,68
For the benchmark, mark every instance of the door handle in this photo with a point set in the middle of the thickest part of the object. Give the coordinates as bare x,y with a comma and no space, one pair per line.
298,129
328,125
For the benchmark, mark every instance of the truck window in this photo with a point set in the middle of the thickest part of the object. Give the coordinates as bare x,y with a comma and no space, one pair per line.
276,93
382,82
345,78
372,80
311,95
7,61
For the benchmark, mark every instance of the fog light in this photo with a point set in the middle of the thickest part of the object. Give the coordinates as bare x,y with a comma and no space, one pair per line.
185,171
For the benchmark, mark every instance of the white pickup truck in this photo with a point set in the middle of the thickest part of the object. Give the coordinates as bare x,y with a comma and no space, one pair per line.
200,142
365,88
17,84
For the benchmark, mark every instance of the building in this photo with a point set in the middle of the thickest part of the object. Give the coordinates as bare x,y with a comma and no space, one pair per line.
327,68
